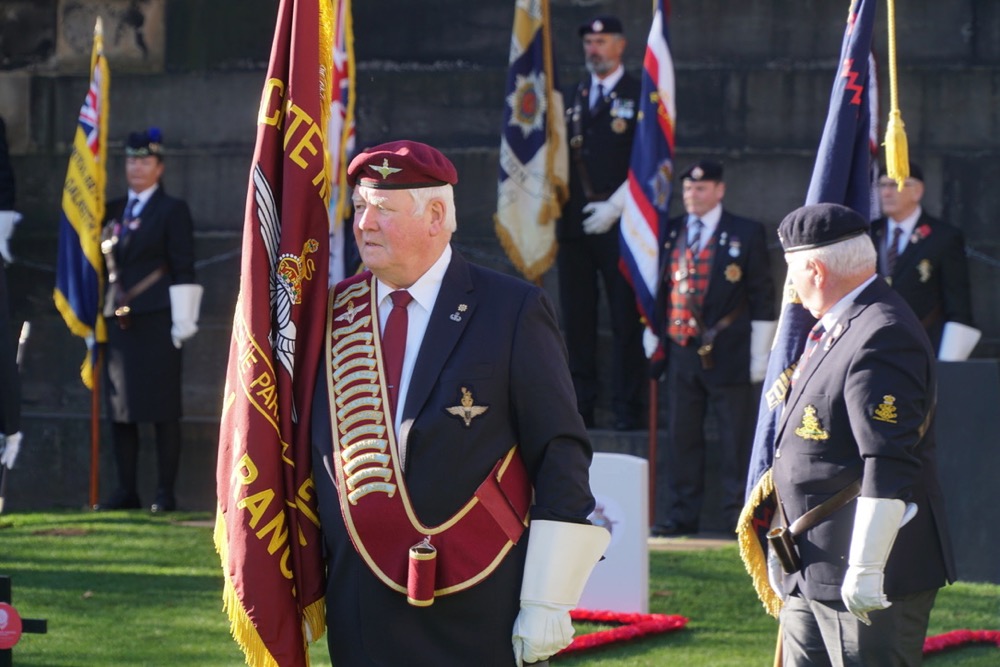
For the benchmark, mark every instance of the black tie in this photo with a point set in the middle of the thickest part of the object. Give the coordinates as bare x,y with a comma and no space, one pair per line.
128,216
598,97
892,252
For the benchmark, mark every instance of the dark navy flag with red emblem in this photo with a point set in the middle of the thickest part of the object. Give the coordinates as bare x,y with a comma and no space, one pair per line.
267,530
841,175
651,171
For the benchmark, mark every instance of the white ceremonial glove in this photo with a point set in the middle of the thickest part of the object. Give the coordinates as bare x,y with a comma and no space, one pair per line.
604,214
559,561
761,339
11,448
957,341
650,341
876,524
185,303
541,630
7,221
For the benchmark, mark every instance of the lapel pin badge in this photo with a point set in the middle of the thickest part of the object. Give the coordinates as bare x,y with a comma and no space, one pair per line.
456,317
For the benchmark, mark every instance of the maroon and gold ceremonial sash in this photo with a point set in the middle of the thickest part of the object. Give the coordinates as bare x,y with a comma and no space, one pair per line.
379,517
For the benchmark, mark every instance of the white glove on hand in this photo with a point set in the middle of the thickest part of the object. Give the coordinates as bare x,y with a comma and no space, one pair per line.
11,449
7,221
876,523
603,215
181,331
541,630
185,305
761,338
650,341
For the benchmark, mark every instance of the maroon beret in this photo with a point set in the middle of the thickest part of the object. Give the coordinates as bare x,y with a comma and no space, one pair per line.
401,165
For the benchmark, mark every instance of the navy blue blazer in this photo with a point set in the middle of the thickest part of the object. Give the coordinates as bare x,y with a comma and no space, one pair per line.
741,272
859,410
164,237
505,347
931,274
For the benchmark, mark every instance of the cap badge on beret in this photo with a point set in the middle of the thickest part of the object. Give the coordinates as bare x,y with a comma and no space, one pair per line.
385,170
597,26
697,173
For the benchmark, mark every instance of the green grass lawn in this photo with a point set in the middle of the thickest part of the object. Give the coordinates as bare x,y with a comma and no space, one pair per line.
131,589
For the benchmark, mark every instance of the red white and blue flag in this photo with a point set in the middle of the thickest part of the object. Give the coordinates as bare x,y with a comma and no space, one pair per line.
340,133
651,171
841,175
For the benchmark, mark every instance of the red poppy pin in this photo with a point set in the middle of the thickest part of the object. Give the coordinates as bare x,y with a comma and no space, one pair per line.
920,233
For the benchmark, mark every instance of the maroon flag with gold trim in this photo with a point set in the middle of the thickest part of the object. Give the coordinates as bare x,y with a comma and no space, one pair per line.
267,527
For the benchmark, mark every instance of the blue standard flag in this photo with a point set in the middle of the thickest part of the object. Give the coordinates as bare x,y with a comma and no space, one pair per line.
651,170
79,266
840,176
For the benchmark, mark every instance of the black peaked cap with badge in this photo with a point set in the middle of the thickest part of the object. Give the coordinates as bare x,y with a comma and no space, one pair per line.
602,25
703,170
818,225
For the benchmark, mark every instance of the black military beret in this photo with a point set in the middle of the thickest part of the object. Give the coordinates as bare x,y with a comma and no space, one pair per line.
142,144
602,25
915,172
703,170
819,225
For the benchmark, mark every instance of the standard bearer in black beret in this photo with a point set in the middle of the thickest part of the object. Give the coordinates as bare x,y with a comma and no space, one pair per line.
818,225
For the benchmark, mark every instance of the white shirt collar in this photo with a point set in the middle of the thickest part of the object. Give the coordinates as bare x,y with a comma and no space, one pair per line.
831,316
907,224
710,220
609,82
143,197
425,290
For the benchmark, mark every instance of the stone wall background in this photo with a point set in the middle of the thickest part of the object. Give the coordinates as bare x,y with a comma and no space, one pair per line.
753,82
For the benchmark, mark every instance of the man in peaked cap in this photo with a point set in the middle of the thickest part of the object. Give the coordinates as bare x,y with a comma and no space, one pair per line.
855,442
715,297
924,260
151,307
444,383
601,119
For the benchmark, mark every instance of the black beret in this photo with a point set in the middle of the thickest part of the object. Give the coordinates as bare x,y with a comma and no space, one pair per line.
145,143
703,170
819,225
915,172
401,165
602,25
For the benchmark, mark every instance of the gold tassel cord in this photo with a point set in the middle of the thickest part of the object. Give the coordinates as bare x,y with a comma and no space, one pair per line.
897,158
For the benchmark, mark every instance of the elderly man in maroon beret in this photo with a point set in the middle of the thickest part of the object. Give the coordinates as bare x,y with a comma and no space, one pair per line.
452,464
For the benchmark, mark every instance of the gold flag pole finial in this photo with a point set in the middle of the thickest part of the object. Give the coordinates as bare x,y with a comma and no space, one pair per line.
897,158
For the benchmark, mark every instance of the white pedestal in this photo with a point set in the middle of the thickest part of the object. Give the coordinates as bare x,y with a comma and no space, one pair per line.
620,582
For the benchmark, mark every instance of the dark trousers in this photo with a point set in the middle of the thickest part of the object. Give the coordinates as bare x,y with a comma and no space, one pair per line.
125,441
581,262
825,634
682,466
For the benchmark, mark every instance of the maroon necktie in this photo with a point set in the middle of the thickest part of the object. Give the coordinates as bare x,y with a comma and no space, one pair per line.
394,344
812,341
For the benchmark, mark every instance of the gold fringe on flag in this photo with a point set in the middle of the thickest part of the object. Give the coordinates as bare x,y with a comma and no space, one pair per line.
751,551
897,157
